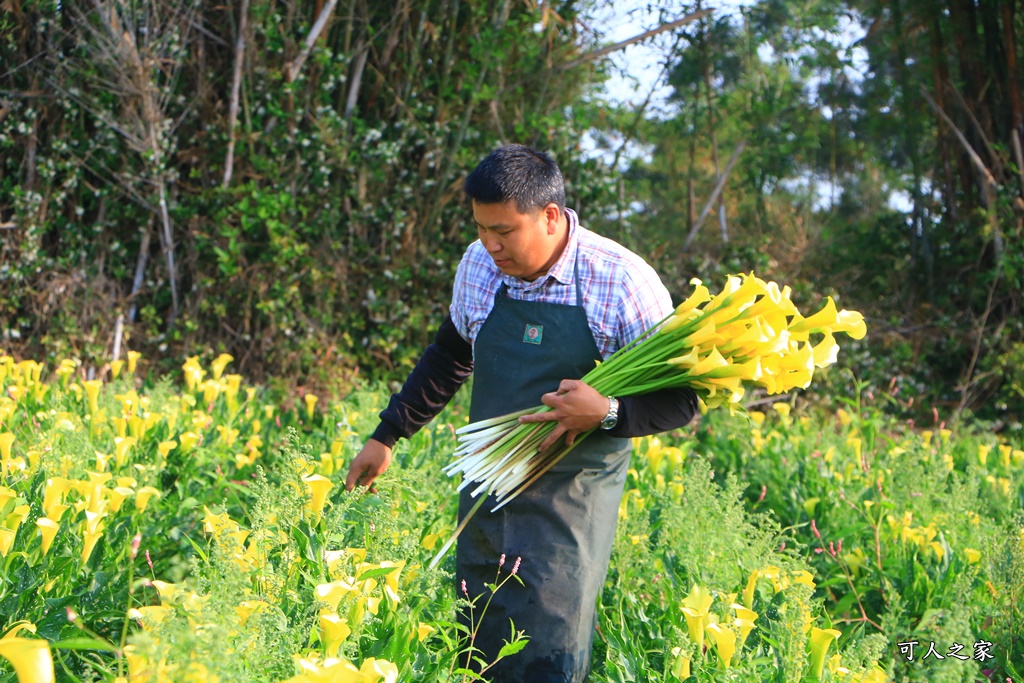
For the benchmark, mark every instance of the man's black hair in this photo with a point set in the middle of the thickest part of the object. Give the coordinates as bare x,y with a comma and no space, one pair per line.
517,173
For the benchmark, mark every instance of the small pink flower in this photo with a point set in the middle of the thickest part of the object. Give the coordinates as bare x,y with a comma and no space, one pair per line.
149,561
831,548
819,551
501,560
814,528
72,617
515,567
136,541
464,589
764,491
839,548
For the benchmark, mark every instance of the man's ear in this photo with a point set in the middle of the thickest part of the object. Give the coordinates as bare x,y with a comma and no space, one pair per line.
553,216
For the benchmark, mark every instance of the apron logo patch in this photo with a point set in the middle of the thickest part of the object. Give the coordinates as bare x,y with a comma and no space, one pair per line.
533,334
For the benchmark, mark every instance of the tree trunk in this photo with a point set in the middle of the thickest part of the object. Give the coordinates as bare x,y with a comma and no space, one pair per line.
1010,43
236,84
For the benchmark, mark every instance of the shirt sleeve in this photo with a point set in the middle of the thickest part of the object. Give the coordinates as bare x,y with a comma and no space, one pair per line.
443,368
644,303
458,312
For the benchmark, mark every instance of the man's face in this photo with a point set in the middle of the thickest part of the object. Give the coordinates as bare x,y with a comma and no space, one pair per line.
523,245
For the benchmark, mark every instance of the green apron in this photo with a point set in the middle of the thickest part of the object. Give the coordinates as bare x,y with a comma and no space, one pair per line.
564,524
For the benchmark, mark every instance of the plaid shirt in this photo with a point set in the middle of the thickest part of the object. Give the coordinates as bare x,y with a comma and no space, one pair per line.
622,295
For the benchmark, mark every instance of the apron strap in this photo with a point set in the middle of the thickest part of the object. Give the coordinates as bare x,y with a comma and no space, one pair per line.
576,277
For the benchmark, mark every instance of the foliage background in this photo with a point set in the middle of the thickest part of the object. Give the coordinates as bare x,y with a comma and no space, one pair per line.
323,251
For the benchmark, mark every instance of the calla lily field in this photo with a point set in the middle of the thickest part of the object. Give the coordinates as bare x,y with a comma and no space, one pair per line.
194,527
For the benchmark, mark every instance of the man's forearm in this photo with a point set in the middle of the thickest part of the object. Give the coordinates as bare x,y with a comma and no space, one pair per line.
441,370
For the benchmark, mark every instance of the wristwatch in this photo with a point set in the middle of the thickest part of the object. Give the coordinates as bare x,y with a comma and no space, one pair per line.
612,418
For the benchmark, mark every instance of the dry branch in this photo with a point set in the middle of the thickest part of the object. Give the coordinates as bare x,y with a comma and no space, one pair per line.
714,194
236,86
689,18
314,34
988,180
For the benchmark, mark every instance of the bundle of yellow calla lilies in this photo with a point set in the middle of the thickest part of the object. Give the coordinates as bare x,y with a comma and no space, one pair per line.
751,333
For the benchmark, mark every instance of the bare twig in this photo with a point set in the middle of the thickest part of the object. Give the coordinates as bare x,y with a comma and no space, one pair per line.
118,333
314,34
358,68
236,86
137,50
714,195
977,347
140,271
977,127
689,18
1018,158
991,188
988,180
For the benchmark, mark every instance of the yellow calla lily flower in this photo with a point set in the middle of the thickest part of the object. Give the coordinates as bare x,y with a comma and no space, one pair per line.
6,541
318,487
826,318
48,530
333,592
852,323
30,658
748,617
143,496
680,664
826,352
821,639
188,441
6,441
712,361
311,401
695,608
17,516
219,364
725,643
423,631
333,631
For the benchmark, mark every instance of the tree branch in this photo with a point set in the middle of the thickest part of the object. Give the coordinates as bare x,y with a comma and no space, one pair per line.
714,195
988,180
236,86
689,18
314,34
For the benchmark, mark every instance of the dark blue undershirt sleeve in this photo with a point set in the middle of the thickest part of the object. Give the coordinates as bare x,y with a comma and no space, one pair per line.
441,370
656,412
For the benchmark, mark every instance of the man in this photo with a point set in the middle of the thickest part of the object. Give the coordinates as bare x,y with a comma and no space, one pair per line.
537,300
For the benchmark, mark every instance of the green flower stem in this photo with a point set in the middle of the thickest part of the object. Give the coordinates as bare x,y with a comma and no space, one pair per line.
458,530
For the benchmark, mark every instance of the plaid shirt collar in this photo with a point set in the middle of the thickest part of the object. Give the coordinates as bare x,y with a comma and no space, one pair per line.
563,270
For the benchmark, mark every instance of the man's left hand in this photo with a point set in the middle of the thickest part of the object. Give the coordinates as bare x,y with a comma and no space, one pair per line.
576,406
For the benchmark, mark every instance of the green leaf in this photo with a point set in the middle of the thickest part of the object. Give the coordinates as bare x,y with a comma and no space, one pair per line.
197,548
512,648
84,644
374,573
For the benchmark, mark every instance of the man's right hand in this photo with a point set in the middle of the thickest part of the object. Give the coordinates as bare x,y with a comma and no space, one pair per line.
370,463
